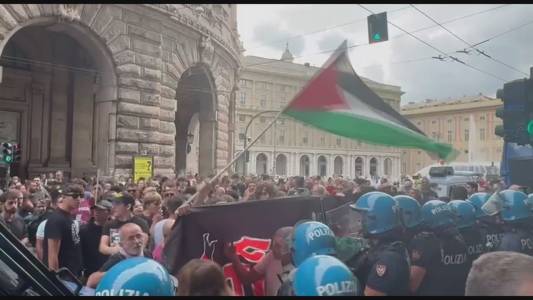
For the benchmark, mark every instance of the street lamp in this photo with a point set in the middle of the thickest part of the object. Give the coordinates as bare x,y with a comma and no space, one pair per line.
247,157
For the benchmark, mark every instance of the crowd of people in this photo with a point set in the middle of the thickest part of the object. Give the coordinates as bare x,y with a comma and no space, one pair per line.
416,243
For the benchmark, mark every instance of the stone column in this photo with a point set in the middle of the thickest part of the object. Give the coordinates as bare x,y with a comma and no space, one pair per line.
59,119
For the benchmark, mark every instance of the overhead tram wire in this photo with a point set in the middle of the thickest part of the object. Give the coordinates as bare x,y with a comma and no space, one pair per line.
362,19
397,36
437,49
452,52
468,43
279,41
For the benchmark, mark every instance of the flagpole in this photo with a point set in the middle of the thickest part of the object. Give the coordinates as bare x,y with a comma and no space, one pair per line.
332,58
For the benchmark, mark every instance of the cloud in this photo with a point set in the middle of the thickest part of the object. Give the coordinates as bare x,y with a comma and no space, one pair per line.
275,38
330,41
404,60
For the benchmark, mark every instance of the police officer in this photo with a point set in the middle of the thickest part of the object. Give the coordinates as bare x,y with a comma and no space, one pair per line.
385,268
138,276
438,261
516,215
311,238
308,239
410,216
324,275
490,226
469,230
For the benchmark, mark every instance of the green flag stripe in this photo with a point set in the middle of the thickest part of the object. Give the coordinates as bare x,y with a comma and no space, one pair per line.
371,130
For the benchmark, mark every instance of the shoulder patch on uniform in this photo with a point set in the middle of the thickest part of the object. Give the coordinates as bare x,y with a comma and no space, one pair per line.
381,270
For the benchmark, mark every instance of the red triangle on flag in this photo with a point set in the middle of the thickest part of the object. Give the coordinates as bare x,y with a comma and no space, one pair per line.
321,94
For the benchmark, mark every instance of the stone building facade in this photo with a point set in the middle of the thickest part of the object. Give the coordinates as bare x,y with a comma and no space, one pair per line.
467,123
290,147
87,86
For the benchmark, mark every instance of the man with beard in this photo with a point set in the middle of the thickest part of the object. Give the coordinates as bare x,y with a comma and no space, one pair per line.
132,244
9,216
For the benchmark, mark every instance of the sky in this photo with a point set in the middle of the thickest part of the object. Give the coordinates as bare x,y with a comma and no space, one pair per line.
312,30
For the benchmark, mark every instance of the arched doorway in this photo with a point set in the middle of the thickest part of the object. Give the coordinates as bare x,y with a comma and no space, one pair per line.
322,166
261,164
281,165
359,166
196,97
373,167
337,165
388,167
304,166
58,81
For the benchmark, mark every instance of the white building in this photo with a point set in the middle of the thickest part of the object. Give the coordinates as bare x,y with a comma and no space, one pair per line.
290,147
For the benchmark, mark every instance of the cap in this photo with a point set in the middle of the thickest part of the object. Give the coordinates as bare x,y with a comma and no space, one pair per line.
103,204
123,198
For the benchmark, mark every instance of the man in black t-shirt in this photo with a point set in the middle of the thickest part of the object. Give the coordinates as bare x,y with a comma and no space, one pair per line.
91,233
132,244
122,211
61,244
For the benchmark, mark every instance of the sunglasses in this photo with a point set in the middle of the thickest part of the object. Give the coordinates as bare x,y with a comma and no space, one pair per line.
74,195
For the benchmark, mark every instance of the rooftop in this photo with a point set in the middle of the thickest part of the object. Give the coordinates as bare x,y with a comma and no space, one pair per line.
447,102
251,62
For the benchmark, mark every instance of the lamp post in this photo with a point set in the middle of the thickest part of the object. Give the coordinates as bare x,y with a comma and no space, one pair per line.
246,158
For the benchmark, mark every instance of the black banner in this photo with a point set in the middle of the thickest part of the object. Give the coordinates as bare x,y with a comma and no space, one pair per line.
249,225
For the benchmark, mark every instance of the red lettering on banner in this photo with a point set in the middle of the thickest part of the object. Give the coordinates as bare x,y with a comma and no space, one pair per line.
252,249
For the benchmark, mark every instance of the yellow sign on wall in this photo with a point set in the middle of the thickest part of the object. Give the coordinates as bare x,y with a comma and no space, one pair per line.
143,167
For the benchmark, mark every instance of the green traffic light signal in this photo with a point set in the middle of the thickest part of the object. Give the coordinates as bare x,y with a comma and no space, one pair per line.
530,128
377,37
8,159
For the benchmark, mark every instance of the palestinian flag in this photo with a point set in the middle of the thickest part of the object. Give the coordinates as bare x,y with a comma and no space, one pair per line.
338,101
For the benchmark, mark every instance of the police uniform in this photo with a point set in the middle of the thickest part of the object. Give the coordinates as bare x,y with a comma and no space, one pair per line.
475,243
517,239
493,234
444,257
384,268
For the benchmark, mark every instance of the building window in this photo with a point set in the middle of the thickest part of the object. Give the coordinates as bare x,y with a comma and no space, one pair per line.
281,121
482,134
263,101
449,121
467,119
322,140
449,136
243,98
338,141
434,135
281,139
467,135
304,140
482,118
262,119
263,139
242,118
433,122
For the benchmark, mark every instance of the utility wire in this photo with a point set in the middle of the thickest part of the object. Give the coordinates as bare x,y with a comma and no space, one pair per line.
467,43
437,49
279,41
395,37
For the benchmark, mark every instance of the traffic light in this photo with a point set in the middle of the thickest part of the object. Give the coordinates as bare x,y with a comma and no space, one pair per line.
7,153
377,28
516,113
17,153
